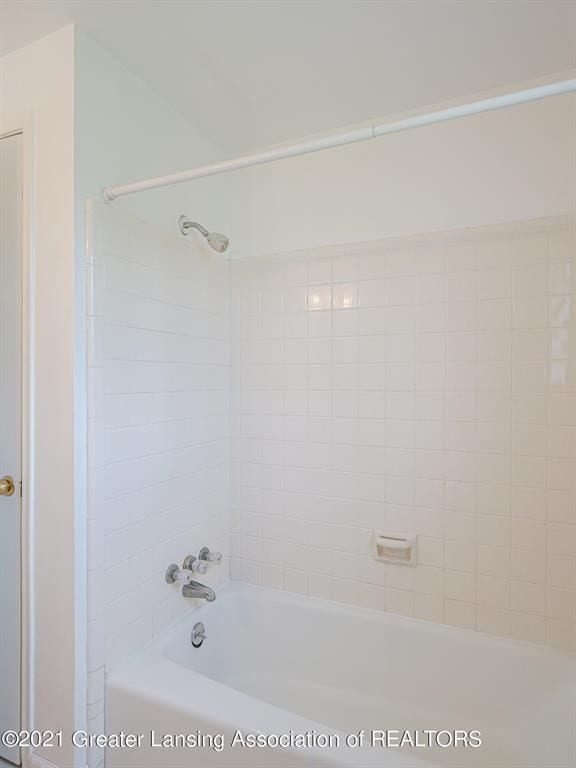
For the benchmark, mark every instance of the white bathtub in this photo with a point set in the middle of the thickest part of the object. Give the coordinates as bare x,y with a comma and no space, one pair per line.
276,663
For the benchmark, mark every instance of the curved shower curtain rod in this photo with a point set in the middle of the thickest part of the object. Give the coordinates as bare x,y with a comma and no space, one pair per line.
341,139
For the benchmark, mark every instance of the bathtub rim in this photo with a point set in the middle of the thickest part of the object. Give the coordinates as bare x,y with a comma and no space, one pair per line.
235,587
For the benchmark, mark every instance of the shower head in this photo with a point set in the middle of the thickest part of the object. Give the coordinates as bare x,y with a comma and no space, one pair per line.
216,241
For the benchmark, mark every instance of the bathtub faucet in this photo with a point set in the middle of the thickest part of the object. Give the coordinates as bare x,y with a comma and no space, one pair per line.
195,589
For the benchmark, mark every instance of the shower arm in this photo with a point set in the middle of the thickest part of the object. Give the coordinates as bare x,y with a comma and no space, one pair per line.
351,137
187,224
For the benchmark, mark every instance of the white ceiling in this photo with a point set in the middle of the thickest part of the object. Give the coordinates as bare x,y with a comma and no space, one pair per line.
250,73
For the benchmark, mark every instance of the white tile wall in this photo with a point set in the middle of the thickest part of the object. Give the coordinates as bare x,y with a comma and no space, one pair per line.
423,386
158,393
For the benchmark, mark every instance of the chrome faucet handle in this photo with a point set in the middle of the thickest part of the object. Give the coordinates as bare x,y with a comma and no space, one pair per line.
176,574
173,574
210,557
194,564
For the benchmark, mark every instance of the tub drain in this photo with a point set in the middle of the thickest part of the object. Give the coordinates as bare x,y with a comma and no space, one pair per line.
198,634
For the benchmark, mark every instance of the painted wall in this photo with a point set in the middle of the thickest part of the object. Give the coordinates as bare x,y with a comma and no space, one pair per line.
125,131
419,386
37,93
513,164
93,123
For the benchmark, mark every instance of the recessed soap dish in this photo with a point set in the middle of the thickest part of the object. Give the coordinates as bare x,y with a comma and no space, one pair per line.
394,548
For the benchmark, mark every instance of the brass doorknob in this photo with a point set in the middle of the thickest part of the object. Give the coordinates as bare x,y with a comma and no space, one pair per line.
7,486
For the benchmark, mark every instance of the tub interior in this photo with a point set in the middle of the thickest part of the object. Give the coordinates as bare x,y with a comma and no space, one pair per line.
350,669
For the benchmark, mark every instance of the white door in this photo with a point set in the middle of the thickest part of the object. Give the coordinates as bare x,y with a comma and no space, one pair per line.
10,435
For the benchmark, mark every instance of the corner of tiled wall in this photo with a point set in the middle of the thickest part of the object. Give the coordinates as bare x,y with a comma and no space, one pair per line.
94,276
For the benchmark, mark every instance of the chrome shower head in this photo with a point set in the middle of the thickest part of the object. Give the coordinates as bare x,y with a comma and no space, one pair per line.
216,241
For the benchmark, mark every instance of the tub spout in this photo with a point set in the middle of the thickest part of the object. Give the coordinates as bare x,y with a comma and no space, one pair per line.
195,589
